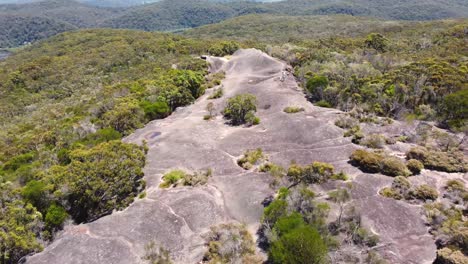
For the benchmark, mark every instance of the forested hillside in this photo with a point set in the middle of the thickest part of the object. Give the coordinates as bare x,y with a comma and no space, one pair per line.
171,15
66,103
374,64
64,106
16,30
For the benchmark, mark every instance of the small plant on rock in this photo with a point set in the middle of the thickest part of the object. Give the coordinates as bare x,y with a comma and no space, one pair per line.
293,109
250,158
424,192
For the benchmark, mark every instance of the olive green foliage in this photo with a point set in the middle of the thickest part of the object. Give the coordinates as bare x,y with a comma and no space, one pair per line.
377,42
55,216
292,237
171,178
373,162
415,166
156,255
399,190
317,172
367,161
97,188
19,222
449,227
240,108
214,79
447,255
454,109
64,102
229,243
302,244
424,192
177,178
155,110
393,166
375,141
316,85
451,161
275,170
346,122
224,48
251,158
293,109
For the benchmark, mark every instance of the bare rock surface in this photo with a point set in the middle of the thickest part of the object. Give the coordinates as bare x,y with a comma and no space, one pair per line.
177,218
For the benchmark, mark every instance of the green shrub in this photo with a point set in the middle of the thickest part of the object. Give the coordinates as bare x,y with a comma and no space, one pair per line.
323,103
316,85
424,192
377,42
224,48
393,166
455,109
455,185
35,192
251,119
390,193
293,109
367,161
447,255
298,246
55,216
16,162
375,141
451,161
238,108
317,172
155,110
103,178
415,166
250,158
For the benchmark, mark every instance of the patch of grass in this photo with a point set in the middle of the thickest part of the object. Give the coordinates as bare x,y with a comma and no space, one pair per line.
293,109
172,178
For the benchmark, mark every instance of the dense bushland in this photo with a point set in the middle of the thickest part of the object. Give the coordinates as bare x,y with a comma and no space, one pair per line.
65,104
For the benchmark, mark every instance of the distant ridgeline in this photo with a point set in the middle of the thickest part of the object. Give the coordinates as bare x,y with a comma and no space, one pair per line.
20,23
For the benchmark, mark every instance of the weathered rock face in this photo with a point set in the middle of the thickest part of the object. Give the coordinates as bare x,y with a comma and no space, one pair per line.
178,218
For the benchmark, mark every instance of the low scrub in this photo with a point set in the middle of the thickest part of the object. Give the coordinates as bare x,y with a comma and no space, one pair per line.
251,158
293,109
177,178
451,161
373,162
230,243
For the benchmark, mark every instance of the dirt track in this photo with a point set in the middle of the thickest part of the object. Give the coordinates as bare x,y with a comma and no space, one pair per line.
177,218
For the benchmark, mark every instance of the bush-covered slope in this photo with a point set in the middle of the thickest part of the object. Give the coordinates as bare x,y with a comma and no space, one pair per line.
172,15
17,30
65,103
